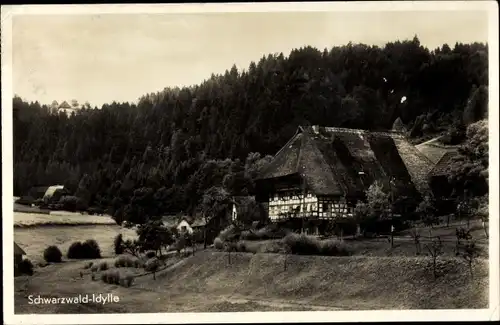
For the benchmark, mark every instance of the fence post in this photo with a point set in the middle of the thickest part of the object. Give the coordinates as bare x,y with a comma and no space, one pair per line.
392,236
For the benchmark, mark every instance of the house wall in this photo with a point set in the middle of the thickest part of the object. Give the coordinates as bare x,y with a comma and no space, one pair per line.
234,213
18,258
287,204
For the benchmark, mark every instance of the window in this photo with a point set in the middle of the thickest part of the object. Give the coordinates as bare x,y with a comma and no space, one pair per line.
326,207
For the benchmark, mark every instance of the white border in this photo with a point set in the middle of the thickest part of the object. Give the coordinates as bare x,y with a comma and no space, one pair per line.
272,317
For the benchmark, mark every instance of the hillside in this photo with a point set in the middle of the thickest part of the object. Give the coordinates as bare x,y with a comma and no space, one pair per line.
160,155
208,282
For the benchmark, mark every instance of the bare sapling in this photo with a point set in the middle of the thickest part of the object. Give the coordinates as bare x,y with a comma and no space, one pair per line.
470,253
415,234
461,234
435,249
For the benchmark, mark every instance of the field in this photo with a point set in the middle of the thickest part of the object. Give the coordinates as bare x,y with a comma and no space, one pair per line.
210,281
34,232
25,220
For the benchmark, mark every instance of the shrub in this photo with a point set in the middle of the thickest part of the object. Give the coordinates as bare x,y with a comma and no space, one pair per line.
103,266
332,247
75,250
138,264
129,279
150,254
271,247
126,261
72,203
152,265
302,244
230,246
111,277
94,268
241,246
52,254
89,249
268,232
218,244
118,244
88,265
227,233
25,267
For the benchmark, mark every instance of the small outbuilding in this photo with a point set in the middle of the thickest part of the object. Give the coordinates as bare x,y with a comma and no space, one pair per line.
18,254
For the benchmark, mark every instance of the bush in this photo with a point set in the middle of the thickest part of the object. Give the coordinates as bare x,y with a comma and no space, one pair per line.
241,246
94,268
268,232
126,281
89,249
309,245
302,244
111,277
52,254
150,254
218,244
25,267
72,203
75,250
126,261
118,244
129,279
228,233
103,266
152,265
88,265
332,247
271,247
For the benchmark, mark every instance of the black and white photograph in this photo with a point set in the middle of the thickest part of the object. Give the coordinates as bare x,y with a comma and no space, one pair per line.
210,162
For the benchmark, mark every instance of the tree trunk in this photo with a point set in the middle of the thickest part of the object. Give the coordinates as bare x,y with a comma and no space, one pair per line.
205,237
485,230
358,230
448,220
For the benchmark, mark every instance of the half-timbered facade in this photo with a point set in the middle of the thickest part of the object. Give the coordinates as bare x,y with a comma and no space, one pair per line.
321,173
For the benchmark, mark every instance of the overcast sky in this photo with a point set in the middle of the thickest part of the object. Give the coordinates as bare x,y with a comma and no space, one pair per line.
101,58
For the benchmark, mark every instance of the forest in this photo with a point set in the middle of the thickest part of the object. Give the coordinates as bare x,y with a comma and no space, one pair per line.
160,155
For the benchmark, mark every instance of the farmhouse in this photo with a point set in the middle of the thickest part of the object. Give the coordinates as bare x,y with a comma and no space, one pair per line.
184,227
322,172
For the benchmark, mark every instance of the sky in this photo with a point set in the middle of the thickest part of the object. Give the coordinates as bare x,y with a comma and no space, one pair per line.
120,57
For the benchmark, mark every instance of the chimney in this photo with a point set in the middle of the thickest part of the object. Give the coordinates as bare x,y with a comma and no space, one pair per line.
315,129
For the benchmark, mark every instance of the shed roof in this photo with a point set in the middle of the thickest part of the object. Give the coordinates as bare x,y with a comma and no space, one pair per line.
339,161
18,250
443,165
434,149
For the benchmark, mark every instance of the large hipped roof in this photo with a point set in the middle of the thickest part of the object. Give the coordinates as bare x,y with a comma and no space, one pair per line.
339,161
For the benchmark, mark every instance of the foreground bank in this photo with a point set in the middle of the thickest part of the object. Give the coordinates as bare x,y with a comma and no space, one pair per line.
215,281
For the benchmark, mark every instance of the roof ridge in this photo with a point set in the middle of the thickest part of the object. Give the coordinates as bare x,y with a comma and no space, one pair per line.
390,133
288,142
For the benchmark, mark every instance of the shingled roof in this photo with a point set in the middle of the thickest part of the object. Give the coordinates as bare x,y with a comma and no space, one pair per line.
65,104
443,165
339,161
434,149
18,250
